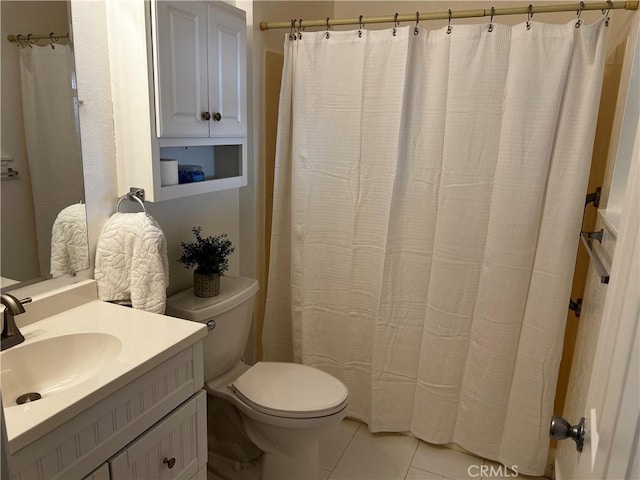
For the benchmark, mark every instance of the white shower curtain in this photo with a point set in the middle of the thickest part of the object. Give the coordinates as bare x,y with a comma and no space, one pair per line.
428,199
52,138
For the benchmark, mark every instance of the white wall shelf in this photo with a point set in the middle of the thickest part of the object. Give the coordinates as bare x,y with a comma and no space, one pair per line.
154,114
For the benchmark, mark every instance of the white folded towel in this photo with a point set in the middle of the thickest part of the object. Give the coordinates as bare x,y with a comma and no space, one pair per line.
131,262
69,242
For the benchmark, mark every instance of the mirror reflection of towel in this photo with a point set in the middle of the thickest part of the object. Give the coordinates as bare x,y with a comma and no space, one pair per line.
69,242
131,262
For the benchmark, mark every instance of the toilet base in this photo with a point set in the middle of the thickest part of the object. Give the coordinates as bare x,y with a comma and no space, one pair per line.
225,469
290,446
301,463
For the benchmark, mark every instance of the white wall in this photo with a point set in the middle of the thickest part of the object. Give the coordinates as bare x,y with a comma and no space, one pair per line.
19,244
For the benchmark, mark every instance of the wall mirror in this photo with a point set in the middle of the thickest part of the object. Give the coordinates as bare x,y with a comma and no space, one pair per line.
43,231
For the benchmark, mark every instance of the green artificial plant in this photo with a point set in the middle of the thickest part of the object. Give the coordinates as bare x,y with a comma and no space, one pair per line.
208,255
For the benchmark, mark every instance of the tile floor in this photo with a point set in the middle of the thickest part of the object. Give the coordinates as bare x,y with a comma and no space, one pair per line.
356,454
353,453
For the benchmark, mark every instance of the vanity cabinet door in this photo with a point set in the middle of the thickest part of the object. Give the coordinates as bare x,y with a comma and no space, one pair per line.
100,473
181,72
176,447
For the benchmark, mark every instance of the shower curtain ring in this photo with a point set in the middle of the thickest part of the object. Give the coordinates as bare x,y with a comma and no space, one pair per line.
53,39
30,40
18,40
415,29
395,23
361,27
449,25
579,22
493,11
606,13
300,29
293,29
327,35
529,16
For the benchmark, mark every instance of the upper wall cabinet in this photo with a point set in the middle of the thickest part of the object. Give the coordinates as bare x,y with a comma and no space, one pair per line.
200,70
179,86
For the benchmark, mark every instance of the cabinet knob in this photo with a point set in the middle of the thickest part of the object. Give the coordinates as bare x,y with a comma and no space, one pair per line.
217,117
206,115
170,462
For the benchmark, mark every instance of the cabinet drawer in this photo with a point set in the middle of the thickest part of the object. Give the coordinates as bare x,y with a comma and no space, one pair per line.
176,447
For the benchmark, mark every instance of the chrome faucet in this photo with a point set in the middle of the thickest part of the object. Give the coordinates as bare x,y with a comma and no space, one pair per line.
10,333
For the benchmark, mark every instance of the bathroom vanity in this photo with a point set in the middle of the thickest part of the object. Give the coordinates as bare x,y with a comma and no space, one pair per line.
121,395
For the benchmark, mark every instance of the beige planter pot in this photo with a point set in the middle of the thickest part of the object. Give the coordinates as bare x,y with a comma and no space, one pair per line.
206,285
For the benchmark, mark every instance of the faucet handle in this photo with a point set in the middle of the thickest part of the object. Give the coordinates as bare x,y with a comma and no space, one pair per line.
14,306
10,332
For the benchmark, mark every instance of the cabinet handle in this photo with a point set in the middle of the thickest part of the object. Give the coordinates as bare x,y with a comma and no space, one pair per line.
170,462
206,115
217,117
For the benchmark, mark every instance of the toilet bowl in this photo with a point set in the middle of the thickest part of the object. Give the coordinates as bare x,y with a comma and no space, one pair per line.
284,408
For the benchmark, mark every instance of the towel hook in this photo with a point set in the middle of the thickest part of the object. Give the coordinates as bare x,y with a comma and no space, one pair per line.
529,16
449,25
579,22
493,11
415,29
135,195
327,35
361,27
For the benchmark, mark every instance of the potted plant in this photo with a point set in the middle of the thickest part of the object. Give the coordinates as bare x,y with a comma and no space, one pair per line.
209,257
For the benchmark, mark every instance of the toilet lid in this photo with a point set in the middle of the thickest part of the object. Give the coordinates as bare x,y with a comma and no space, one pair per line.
291,390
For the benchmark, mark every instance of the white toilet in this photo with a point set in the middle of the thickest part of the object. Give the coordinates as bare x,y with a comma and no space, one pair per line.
284,408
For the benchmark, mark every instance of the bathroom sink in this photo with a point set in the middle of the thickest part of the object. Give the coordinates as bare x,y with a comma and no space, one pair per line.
53,365
80,355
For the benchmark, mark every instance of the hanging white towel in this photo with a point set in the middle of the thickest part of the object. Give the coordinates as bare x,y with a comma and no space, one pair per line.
69,243
131,262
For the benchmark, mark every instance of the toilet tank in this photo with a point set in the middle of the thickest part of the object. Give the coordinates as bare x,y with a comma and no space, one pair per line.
231,312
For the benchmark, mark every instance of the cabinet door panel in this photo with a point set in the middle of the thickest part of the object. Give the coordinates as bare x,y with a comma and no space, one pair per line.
227,73
174,448
180,50
100,473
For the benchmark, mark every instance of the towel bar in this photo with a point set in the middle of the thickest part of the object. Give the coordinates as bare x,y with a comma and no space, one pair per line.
587,239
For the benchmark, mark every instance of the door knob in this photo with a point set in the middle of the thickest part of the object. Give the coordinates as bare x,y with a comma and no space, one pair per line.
561,429
170,462
206,115
217,117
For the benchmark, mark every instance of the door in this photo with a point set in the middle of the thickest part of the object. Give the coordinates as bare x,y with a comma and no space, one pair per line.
613,401
227,71
180,68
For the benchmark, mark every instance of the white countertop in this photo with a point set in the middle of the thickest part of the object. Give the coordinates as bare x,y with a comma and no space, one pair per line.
147,340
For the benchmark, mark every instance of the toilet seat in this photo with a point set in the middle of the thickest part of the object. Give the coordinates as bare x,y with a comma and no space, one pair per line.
290,390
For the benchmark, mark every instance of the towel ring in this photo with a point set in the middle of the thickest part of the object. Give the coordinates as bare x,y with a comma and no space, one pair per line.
133,198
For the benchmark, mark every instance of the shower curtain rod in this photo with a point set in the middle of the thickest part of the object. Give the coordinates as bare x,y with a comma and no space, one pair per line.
31,37
487,12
